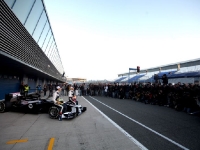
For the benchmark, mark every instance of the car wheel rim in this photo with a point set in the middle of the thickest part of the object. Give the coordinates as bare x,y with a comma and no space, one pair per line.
30,106
53,112
2,106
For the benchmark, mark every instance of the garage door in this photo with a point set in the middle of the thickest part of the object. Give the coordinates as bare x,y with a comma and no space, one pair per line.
32,85
8,84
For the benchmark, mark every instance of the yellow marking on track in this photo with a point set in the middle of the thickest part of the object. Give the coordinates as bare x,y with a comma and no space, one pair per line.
17,141
51,143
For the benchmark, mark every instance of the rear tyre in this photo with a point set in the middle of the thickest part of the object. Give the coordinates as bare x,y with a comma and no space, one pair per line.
2,107
54,112
8,106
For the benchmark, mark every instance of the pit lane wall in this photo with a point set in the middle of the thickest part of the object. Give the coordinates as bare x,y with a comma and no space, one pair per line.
28,50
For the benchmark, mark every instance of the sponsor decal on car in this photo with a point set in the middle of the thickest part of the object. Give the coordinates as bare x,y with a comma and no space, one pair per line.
24,102
15,94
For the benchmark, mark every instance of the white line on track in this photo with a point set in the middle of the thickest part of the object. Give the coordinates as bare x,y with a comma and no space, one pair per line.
122,130
168,139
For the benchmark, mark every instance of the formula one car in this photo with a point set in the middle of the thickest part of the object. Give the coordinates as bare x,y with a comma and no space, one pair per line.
32,103
72,110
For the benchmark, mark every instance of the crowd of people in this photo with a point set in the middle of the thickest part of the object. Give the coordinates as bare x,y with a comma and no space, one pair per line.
25,88
182,97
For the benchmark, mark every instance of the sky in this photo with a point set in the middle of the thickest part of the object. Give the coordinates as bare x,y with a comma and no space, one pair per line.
99,39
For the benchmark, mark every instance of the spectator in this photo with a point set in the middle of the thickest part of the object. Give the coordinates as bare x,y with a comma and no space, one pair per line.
127,90
165,79
106,90
81,89
21,88
39,88
116,89
75,89
45,89
121,93
156,78
65,89
50,90
85,89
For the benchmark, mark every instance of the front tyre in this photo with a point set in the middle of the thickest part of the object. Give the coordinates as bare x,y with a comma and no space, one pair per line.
54,112
2,107
84,109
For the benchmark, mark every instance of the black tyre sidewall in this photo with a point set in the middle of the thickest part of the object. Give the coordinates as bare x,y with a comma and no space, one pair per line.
84,109
8,105
3,106
56,109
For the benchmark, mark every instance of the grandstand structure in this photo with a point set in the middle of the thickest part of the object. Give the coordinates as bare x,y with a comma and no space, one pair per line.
184,72
76,80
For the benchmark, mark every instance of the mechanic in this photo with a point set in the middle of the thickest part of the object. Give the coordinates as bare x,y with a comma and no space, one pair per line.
26,89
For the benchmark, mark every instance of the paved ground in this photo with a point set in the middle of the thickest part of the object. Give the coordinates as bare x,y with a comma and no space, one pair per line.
89,131
155,127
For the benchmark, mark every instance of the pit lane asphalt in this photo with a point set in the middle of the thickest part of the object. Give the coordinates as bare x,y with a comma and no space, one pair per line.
89,131
178,127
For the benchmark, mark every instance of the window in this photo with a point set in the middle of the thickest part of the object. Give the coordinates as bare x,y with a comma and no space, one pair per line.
22,8
43,35
9,2
46,41
51,52
40,26
51,42
34,16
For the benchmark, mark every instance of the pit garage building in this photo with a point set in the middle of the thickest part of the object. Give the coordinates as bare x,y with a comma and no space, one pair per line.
28,50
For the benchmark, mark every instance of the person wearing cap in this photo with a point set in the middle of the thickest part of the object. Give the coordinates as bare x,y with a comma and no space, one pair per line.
55,99
56,94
